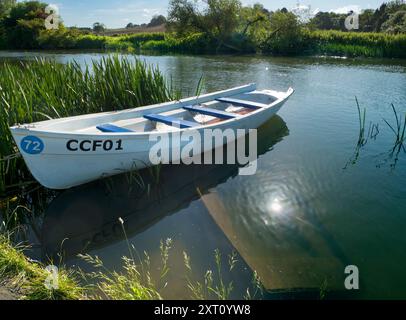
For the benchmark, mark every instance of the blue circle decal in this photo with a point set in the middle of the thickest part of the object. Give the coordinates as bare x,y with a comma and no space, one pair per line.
32,145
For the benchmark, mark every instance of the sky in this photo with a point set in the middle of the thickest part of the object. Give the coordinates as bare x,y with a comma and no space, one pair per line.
118,13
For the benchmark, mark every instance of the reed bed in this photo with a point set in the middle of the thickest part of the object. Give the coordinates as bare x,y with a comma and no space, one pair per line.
354,44
43,89
69,40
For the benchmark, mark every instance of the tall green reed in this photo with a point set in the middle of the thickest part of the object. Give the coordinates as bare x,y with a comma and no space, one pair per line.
363,135
43,89
399,130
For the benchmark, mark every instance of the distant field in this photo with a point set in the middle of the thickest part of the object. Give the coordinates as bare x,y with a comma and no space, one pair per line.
112,32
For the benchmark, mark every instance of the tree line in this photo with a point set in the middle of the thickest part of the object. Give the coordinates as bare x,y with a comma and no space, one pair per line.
210,25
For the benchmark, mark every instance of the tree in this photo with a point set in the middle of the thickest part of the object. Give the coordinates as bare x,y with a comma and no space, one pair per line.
5,6
396,23
99,27
254,26
252,17
328,21
366,20
286,34
216,18
23,24
157,21
130,26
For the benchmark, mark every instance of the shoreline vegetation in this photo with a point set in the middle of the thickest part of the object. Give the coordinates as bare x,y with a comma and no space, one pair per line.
106,84
62,90
220,27
38,90
25,279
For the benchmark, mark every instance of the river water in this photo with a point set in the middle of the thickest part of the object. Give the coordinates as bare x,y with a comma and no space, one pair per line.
308,212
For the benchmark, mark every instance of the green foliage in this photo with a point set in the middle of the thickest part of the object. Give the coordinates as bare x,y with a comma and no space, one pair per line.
23,25
128,285
61,38
255,24
217,19
5,6
355,44
286,34
99,27
157,20
328,21
29,277
221,26
194,43
396,23
34,91
386,18
214,285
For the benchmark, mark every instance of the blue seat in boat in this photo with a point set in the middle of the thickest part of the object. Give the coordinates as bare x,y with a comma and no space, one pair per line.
112,128
242,103
211,112
172,121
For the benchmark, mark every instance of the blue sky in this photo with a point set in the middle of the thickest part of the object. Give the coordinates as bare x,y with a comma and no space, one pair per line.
117,13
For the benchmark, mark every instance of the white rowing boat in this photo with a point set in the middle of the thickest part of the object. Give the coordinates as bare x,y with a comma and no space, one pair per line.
67,152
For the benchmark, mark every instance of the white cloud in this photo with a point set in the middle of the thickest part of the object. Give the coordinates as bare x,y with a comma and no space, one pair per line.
347,9
115,17
304,12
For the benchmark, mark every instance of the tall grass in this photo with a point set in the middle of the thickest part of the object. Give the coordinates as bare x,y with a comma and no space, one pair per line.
40,90
363,135
68,40
197,43
28,278
399,130
137,280
354,44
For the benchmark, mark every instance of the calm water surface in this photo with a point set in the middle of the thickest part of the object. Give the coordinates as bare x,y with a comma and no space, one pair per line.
298,222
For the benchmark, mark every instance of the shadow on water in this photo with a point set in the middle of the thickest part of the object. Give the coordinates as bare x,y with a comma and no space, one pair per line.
84,218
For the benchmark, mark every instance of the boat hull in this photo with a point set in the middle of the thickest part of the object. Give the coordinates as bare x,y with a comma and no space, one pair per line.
69,160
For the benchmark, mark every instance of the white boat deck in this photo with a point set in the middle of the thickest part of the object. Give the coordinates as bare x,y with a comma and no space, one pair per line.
240,101
140,124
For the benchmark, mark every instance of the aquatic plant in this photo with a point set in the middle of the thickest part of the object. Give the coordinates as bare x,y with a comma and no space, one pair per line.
43,89
355,44
399,130
69,39
363,135
214,286
135,282
113,285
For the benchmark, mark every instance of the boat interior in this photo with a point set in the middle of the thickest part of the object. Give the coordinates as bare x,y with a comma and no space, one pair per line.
189,116
187,113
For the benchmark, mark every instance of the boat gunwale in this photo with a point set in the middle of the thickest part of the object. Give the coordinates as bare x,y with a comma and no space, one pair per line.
19,130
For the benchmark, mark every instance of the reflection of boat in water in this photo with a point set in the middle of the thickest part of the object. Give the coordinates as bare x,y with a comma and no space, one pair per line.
87,217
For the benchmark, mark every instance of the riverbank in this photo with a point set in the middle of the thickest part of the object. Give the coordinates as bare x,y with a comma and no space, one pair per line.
6,294
310,43
27,278
106,85
24,279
